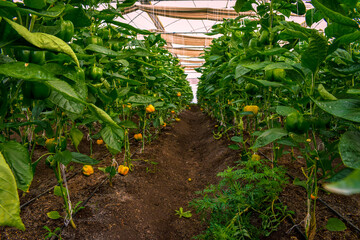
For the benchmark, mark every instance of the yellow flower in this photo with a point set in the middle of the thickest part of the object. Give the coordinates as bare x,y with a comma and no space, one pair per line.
251,108
308,140
87,170
189,179
177,119
178,94
164,124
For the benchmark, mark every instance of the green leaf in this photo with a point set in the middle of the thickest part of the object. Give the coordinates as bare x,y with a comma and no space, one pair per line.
102,115
102,50
113,137
313,16
64,157
59,99
240,70
129,27
269,136
265,83
348,185
345,40
54,215
239,4
141,99
57,191
335,224
349,148
18,158
21,71
334,16
234,147
83,159
76,137
9,199
315,53
274,51
343,173
348,109
37,4
78,16
284,111
44,41
128,124
238,139
278,65
298,182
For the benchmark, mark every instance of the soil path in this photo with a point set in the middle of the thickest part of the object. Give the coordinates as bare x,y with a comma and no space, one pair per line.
142,205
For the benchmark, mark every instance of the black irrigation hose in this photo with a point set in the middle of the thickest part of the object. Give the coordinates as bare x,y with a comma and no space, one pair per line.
323,202
339,215
46,191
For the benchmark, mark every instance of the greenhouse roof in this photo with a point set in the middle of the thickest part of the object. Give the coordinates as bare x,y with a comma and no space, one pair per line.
184,24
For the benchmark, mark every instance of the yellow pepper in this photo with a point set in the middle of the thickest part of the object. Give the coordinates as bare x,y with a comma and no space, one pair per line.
87,170
123,170
251,108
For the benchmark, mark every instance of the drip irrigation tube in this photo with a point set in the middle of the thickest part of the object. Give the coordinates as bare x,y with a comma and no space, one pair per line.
323,202
46,191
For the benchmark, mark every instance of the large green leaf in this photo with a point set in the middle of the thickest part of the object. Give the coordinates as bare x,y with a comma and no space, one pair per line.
29,71
240,70
269,136
129,27
83,159
141,99
78,16
315,53
102,50
64,157
44,41
9,199
313,16
345,40
284,110
128,124
76,137
18,158
264,83
37,4
102,115
334,16
58,99
349,148
278,65
113,137
348,109
335,224
348,185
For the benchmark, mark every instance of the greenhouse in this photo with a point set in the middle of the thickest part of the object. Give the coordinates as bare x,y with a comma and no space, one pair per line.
179,119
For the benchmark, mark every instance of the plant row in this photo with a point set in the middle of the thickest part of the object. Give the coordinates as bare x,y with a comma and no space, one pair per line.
277,84
67,67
